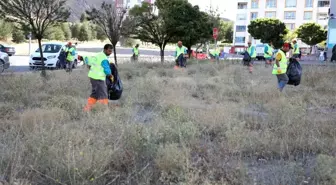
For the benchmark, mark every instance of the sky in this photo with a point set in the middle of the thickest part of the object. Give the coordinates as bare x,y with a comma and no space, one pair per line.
227,8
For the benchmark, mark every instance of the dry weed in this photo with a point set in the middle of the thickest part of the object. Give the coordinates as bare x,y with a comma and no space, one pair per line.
211,124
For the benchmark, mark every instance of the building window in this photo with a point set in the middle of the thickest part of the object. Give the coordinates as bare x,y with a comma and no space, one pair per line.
290,3
290,26
241,17
308,15
290,15
240,28
322,16
242,5
254,15
270,14
240,39
309,3
271,3
255,4
323,3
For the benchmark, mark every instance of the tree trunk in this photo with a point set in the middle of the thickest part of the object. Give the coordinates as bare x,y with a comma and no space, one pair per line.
189,51
43,72
115,54
162,54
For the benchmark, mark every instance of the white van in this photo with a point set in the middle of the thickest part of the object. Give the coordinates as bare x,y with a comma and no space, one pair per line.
51,52
260,51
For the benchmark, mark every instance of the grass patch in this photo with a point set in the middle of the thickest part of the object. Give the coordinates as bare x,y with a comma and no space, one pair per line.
211,124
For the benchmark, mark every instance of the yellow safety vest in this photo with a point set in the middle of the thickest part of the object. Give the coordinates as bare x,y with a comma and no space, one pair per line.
282,63
297,50
136,51
249,50
69,56
269,52
96,69
179,51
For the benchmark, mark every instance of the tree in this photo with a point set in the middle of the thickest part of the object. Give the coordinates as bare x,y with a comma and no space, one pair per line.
83,17
93,32
49,33
191,25
67,31
290,36
37,14
225,31
18,36
268,30
100,34
59,34
311,33
75,30
84,34
147,26
6,30
110,20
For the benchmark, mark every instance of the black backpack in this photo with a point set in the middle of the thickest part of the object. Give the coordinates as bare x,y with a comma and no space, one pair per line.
115,88
294,72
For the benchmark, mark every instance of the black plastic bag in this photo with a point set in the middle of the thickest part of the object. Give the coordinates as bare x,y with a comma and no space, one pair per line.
294,72
115,88
246,58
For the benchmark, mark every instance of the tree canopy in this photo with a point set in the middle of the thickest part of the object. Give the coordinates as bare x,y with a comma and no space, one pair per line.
268,30
225,31
192,26
110,20
144,24
311,33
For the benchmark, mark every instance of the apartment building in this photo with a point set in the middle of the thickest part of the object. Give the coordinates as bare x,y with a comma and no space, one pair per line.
332,26
292,12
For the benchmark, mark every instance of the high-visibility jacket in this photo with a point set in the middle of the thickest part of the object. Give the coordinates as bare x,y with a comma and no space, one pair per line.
282,63
179,51
96,69
296,49
268,51
136,51
252,52
215,52
70,51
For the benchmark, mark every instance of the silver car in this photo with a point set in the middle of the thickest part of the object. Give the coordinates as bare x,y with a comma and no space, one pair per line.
4,61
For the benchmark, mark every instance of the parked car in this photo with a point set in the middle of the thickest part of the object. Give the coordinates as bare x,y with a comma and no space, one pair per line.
200,55
260,51
4,61
51,52
7,49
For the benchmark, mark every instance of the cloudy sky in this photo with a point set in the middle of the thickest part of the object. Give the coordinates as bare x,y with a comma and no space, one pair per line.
227,8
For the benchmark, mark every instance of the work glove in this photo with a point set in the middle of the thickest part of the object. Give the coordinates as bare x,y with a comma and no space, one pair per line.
111,77
279,70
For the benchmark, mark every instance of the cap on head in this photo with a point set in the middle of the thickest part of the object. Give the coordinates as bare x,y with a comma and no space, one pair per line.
69,43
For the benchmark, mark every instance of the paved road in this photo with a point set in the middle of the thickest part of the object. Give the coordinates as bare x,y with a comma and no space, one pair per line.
21,63
128,51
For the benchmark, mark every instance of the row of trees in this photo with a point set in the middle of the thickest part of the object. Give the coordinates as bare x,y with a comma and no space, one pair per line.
83,31
273,30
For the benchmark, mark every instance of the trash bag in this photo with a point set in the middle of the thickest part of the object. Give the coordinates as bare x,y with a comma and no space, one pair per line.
62,58
246,58
115,88
294,72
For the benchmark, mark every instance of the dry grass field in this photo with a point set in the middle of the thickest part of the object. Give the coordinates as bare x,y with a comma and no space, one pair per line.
211,124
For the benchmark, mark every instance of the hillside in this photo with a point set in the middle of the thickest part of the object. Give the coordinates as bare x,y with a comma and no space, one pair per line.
77,7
